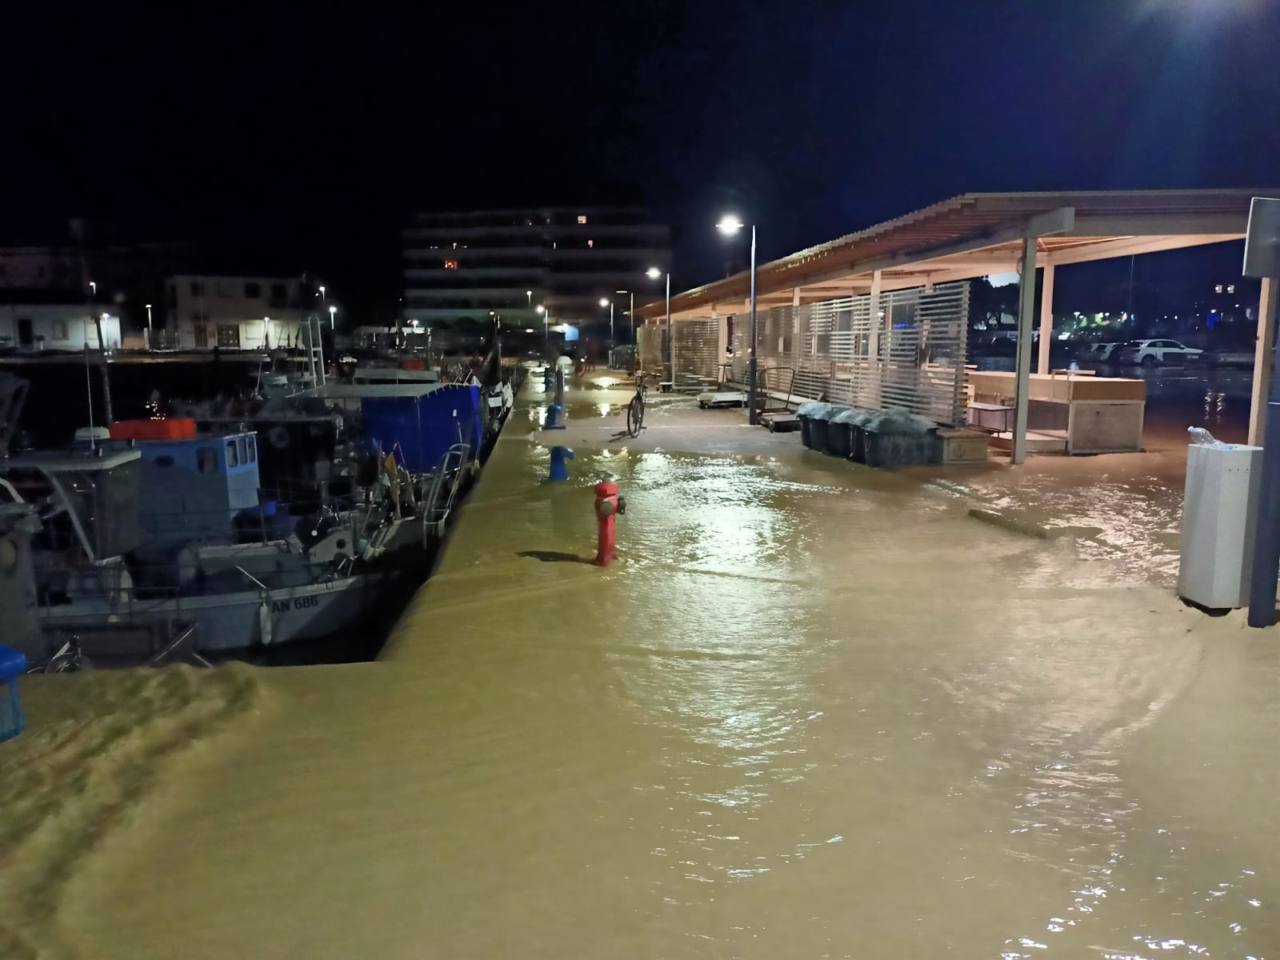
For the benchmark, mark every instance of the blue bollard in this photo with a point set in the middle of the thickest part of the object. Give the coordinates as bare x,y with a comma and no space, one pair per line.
555,418
560,457
12,665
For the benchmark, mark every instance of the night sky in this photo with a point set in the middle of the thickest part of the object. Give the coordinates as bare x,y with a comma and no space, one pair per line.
305,138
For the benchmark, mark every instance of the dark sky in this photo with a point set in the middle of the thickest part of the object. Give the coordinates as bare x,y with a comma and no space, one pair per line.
308,135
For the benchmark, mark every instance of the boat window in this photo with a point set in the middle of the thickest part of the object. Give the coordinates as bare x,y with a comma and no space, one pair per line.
163,461
244,450
207,460
253,449
232,459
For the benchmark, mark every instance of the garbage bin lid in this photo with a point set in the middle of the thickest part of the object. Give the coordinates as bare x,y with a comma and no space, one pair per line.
12,663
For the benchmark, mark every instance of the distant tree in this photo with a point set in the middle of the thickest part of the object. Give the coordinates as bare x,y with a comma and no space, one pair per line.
988,303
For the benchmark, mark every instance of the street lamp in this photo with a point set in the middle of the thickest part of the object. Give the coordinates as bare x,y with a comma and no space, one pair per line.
148,319
653,273
606,302
332,310
528,295
631,312
543,312
322,291
729,226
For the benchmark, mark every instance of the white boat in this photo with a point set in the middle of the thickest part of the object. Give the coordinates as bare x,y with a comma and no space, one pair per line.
125,567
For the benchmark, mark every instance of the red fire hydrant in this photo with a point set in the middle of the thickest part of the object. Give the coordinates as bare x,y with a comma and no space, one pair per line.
608,505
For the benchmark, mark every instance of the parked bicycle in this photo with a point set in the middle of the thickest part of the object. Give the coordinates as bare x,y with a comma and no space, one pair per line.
635,410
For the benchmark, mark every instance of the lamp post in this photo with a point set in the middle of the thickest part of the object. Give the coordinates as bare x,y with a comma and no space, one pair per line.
729,226
149,331
653,273
631,311
332,312
608,302
546,321
528,295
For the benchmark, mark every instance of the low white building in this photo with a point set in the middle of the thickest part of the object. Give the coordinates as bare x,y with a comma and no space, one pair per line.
236,313
56,326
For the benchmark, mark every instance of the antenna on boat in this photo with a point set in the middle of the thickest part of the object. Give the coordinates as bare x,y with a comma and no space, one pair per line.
88,389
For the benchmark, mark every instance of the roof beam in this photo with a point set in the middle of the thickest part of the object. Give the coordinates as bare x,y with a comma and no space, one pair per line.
1158,225
1131,246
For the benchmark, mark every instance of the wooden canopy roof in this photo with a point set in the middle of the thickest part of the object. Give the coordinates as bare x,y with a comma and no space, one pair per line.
974,235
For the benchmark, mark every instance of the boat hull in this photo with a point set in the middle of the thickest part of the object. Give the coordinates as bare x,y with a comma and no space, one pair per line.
232,621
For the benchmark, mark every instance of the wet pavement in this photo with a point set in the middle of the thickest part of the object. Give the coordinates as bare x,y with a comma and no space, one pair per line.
814,710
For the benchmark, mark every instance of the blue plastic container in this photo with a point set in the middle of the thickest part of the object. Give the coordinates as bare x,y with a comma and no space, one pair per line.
560,457
12,666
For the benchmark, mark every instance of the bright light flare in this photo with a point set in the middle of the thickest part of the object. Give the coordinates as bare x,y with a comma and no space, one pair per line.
729,224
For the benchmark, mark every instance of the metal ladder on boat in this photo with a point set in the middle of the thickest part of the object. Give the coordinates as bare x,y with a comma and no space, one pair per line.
445,482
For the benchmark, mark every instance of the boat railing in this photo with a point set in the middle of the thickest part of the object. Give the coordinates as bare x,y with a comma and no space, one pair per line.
443,491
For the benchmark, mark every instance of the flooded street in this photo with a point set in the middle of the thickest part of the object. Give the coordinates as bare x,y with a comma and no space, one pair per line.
814,710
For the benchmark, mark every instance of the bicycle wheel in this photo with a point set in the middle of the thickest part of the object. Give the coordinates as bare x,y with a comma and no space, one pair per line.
635,416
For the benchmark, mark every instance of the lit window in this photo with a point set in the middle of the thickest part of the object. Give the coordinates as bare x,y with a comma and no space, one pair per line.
1217,288
1231,288
451,264
591,243
582,218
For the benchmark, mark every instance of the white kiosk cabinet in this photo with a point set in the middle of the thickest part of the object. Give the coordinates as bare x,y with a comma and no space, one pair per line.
1219,516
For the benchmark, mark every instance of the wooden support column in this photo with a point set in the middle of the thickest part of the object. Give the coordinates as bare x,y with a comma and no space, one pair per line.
1046,319
1026,307
1264,347
873,341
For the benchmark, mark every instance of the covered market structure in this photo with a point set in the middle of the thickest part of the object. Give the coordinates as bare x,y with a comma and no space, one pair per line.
879,317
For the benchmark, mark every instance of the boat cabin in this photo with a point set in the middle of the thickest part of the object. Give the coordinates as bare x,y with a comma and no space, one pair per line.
194,488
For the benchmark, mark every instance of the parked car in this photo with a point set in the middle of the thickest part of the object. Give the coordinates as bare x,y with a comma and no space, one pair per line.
1150,353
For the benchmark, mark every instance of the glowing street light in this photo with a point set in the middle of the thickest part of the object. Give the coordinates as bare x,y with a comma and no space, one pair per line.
332,310
730,225
606,302
322,291
653,273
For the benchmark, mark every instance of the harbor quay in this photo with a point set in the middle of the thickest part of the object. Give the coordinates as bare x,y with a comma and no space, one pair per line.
811,709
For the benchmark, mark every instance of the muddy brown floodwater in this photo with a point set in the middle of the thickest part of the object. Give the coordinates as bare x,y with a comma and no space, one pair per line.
813,711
